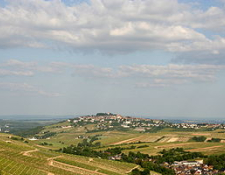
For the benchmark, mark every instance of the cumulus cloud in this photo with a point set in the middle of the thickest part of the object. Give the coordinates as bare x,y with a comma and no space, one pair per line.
111,26
24,87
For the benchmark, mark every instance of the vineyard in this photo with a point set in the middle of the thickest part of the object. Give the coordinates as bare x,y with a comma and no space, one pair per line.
19,158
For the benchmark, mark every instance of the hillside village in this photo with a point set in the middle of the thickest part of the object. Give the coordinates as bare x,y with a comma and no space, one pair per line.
107,121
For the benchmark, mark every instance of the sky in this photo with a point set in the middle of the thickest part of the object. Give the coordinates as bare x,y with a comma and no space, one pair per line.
131,57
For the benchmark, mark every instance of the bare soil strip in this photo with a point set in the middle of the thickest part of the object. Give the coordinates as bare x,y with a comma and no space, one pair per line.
207,148
125,141
136,139
200,134
171,145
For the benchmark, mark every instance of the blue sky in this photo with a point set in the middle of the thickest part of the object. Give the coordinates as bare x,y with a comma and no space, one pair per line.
143,58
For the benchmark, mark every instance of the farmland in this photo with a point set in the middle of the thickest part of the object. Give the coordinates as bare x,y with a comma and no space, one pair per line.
165,138
43,154
19,158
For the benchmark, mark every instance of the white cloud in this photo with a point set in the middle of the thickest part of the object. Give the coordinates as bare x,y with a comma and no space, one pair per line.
193,72
24,87
147,75
4,72
110,26
18,64
19,68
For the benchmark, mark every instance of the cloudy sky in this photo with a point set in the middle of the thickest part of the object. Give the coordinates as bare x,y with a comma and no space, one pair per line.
158,58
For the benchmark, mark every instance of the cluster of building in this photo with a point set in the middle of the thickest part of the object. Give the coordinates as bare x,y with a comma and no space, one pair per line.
115,120
105,121
192,167
4,128
197,126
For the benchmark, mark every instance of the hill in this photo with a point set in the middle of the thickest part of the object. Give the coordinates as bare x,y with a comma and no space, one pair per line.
116,130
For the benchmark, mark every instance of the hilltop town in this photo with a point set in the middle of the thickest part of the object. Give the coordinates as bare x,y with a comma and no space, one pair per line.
107,121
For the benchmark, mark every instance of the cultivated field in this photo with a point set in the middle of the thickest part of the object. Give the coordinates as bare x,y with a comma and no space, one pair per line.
19,158
148,143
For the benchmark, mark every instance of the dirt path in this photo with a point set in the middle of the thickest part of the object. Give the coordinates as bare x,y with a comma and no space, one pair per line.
129,140
45,147
72,168
63,166
67,167
27,153
206,140
51,159
132,169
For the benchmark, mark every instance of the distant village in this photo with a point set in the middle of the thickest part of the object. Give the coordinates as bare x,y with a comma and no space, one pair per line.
107,121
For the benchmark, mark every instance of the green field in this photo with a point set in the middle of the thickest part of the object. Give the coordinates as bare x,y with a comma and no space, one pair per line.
40,156
164,139
19,158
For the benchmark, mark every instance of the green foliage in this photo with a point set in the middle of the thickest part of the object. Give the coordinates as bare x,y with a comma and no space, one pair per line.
141,159
143,146
46,135
150,166
136,172
217,161
89,143
176,154
46,144
214,140
17,138
198,139
30,132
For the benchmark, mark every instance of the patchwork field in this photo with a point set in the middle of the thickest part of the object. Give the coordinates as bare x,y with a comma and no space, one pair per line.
164,139
37,157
